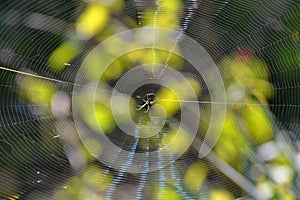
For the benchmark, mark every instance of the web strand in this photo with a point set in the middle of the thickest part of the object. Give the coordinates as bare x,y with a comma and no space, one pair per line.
212,102
191,9
47,78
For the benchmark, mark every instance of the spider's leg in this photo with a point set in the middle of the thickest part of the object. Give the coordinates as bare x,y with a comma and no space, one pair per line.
141,107
152,102
148,108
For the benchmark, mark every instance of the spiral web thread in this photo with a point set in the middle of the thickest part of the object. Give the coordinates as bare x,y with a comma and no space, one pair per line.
22,119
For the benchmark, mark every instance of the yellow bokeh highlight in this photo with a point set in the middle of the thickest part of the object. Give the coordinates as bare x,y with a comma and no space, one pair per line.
177,140
169,98
61,56
257,123
167,193
250,73
261,88
115,46
95,178
171,5
195,85
148,56
99,118
220,195
285,193
104,117
251,68
228,151
114,5
167,20
92,182
114,71
92,20
232,142
195,176
231,132
38,91
96,63
171,105
14,197
144,56
167,17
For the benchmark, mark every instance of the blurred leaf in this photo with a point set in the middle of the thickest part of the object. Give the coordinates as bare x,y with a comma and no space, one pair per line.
167,194
37,91
92,20
195,176
257,123
220,195
63,55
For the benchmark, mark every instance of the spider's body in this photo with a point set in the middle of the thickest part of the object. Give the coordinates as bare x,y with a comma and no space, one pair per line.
148,100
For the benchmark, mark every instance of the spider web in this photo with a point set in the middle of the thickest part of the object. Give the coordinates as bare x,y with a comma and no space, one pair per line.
41,155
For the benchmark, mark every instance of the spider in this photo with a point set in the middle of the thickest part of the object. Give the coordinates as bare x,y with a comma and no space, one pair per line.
148,101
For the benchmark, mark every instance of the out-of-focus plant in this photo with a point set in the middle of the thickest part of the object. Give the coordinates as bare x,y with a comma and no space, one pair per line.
248,89
249,134
248,128
84,185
